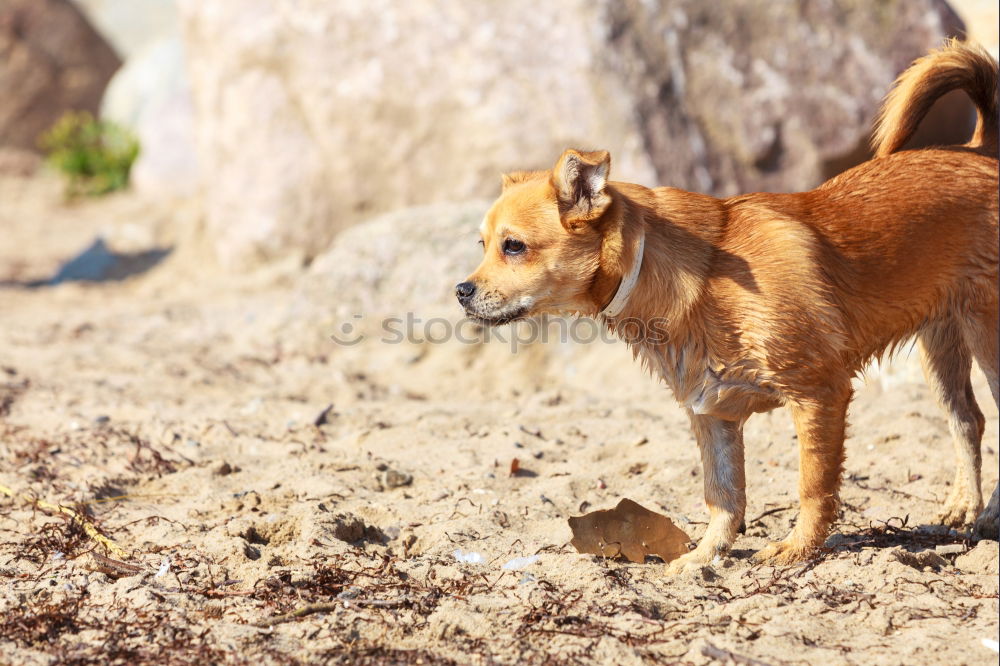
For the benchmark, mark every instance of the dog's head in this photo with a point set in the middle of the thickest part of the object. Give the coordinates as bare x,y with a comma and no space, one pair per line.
542,242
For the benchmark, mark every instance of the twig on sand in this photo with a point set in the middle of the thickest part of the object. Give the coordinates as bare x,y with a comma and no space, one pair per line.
88,527
534,432
328,606
114,567
770,512
723,655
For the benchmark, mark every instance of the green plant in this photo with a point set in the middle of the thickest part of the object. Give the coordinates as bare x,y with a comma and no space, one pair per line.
95,155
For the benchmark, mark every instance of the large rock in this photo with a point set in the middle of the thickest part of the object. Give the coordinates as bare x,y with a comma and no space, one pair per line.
132,25
764,96
151,93
152,96
312,115
404,261
51,61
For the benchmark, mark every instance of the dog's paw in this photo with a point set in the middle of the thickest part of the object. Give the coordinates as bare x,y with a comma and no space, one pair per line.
960,513
987,525
779,553
693,561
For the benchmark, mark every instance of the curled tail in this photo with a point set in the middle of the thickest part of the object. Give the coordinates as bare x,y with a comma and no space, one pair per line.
956,66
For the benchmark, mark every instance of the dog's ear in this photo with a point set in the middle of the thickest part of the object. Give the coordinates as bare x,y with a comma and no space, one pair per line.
515,177
580,181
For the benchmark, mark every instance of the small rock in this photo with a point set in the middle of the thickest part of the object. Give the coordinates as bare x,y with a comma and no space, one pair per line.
248,500
708,574
352,529
324,416
350,592
408,540
392,478
925,559
224,469
983,559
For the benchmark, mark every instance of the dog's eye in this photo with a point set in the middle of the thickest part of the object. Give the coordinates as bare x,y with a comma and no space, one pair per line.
512,246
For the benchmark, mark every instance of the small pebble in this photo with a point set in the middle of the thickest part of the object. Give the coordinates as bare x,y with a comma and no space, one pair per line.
395,479
351,592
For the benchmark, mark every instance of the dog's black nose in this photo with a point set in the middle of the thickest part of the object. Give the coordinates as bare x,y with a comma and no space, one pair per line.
464,291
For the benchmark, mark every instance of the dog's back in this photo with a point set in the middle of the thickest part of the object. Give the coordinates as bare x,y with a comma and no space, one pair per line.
905,238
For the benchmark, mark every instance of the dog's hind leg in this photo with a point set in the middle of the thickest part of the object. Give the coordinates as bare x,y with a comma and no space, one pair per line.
721,445
988,522
947,363
820,424
980,332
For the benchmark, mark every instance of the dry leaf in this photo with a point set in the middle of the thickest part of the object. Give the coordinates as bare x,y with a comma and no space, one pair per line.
630,531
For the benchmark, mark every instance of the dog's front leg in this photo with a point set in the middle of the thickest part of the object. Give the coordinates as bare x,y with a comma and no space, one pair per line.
820,426
721,445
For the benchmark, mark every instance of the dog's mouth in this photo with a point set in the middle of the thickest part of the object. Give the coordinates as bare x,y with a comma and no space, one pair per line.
499,319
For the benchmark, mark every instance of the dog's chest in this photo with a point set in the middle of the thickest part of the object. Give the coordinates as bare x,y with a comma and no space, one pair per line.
705,386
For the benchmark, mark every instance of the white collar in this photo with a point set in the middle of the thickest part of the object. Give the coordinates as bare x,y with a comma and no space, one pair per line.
618,303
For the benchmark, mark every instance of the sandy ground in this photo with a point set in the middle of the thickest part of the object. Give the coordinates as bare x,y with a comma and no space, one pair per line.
178,409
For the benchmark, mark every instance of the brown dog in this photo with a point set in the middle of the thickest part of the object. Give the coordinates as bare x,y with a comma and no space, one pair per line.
764,300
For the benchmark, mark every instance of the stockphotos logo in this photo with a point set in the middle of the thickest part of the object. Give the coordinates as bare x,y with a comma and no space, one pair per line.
411,329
